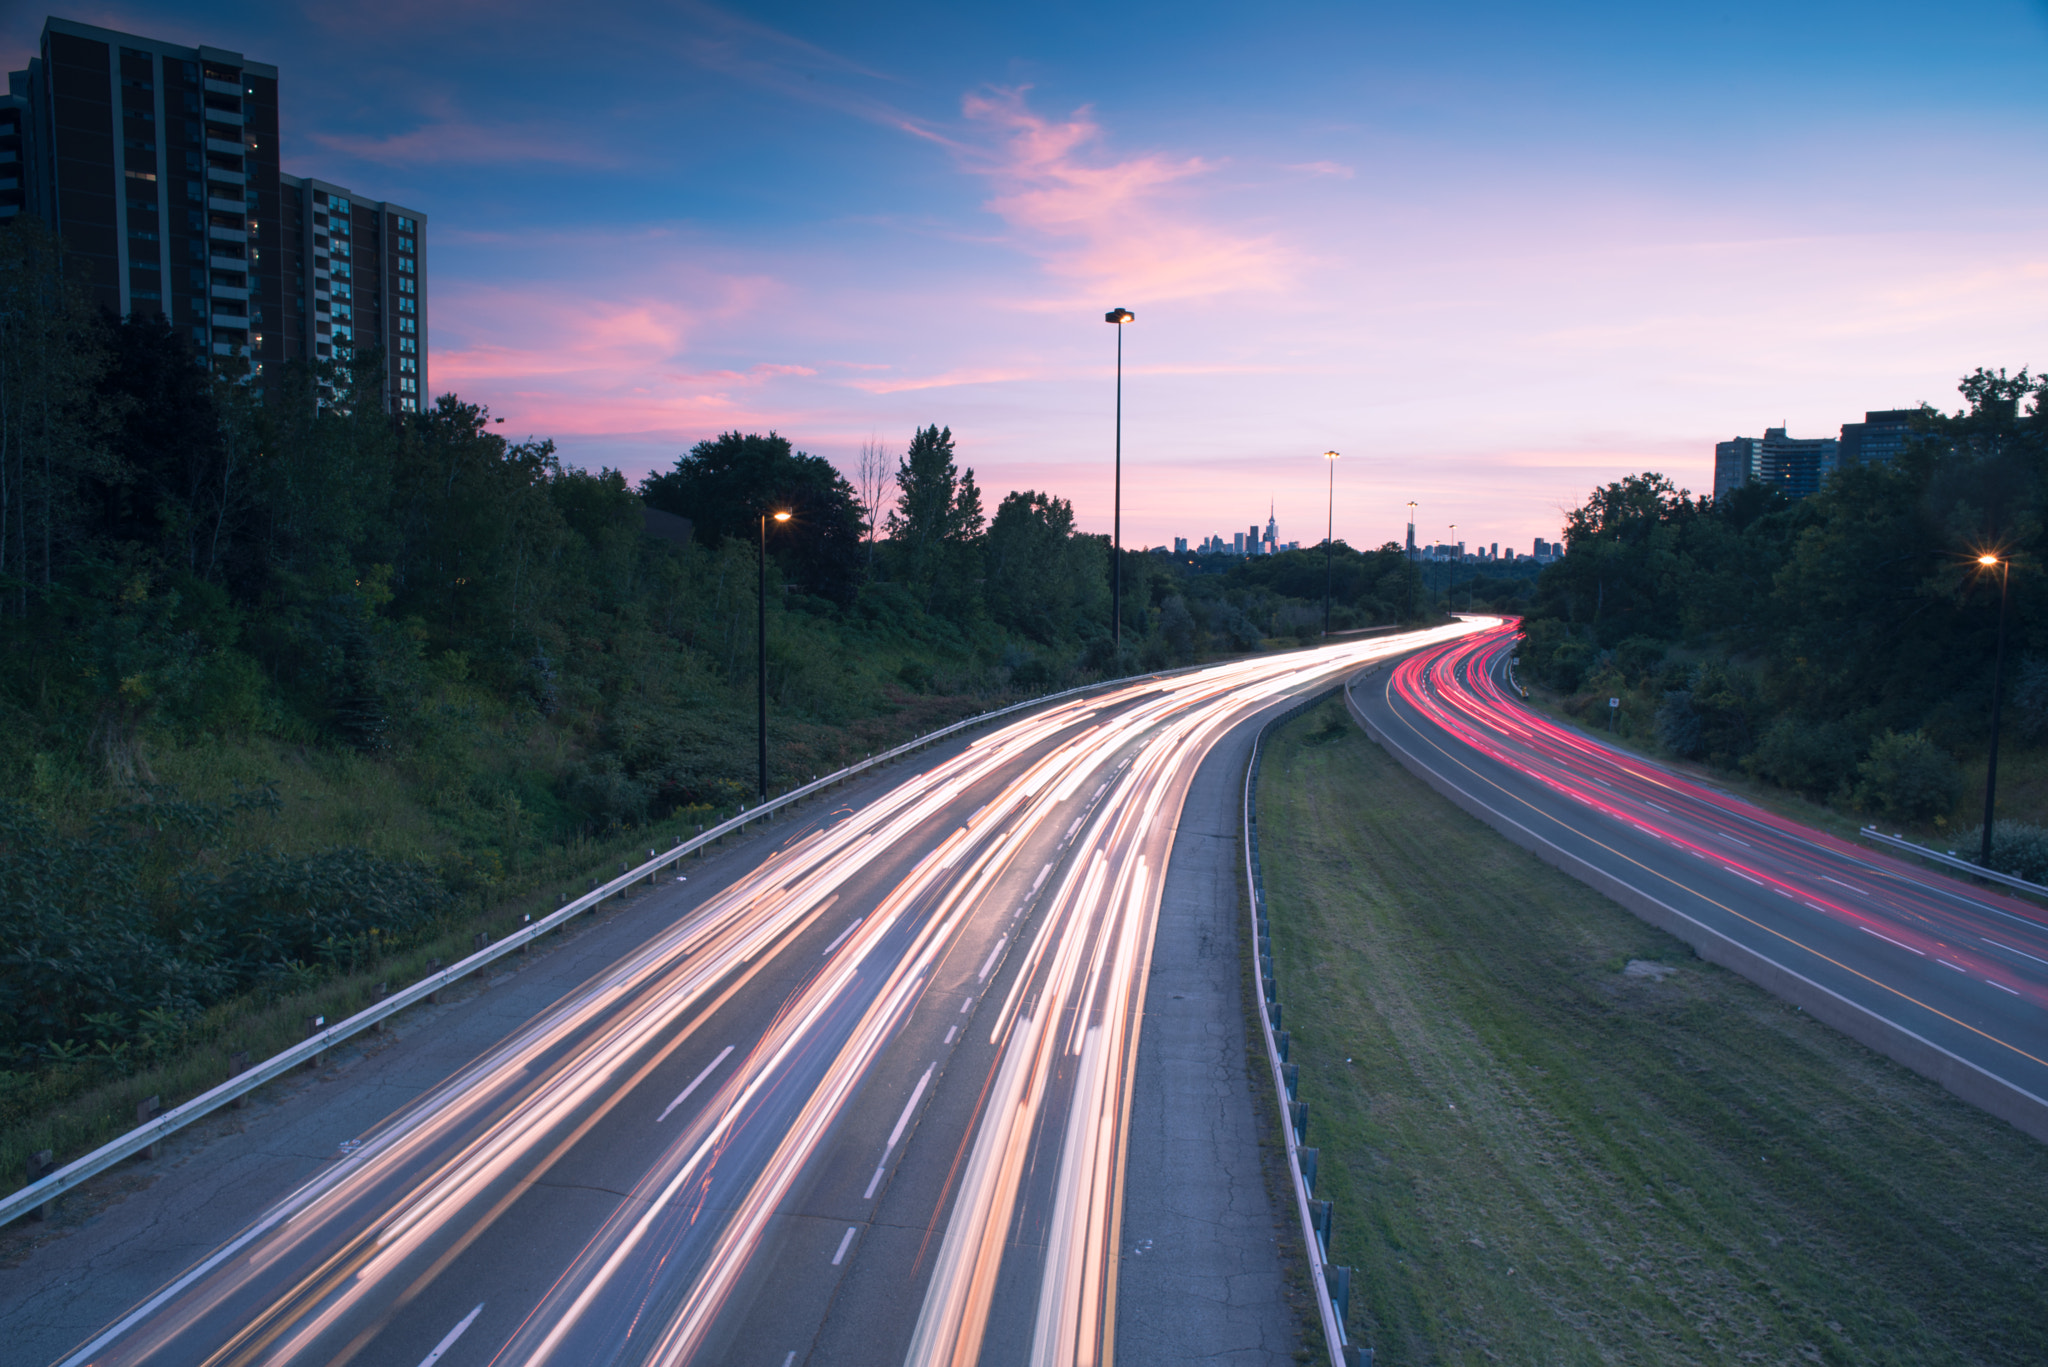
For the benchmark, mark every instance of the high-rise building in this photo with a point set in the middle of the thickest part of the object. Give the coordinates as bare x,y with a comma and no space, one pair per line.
1881,436
1180,545
1735,464
158,166
13,189
1796,466
358,271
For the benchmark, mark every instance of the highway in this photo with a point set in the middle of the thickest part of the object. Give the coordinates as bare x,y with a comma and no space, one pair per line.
1948,978
867,1103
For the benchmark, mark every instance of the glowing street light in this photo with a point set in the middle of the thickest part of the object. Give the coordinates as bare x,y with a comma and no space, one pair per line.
1329,537
1116,527
1987,560
761,640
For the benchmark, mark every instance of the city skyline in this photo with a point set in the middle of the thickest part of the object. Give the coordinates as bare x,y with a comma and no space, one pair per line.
1495,262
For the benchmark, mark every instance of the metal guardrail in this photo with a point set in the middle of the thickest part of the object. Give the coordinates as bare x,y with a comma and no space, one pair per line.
1332,1284
49,1187
1952,860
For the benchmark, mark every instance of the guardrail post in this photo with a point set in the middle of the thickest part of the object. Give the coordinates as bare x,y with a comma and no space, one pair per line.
1297,1115
433,967
480,942
314,1025
1340,1290
1307,1158
40,1163
145,1111
1290,1073
1281,1039
238,1064
383,991
1324,1212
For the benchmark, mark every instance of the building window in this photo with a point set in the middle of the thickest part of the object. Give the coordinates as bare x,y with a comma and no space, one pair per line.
409,385
407,306
408,365
408,345
408,325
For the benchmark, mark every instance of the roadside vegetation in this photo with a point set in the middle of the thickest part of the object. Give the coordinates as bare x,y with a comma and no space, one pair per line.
1539,1155
293,690
1840,647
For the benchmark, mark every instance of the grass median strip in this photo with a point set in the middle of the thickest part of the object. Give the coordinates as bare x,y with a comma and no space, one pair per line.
1543,1147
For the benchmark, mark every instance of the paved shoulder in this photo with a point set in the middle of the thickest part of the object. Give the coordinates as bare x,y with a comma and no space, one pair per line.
1201,1278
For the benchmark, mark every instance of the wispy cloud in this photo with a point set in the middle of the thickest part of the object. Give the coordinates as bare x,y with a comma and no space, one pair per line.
1324,168
948,379
463,142
1107,222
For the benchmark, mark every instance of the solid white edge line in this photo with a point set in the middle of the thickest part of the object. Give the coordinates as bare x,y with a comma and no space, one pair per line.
845,1242
694,1083
453,1334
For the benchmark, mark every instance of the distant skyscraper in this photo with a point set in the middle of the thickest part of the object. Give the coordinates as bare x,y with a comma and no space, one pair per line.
1880,437
1237,543
158,166
1735,464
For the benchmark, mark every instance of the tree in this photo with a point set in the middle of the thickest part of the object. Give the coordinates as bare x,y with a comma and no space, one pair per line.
937,522
725,484
1042,579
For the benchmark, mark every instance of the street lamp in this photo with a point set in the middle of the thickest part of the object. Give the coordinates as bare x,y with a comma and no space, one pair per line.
1116,532
1997,680
1329,537
1451,575
761,639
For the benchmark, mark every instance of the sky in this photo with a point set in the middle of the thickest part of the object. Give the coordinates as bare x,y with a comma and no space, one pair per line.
1494,254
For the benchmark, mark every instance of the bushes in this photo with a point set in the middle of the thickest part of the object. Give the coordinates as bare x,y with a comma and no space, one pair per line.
1814,758
2019,848
1678,725
1907,777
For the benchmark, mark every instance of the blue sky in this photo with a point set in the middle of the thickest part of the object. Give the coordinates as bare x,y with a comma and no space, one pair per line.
1494,254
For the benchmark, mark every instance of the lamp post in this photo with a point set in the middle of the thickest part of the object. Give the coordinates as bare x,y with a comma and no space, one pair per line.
1997,682
1329,538
761,640
1451,575
1116,533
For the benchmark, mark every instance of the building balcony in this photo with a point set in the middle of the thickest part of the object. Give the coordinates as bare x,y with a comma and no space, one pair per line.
233,116
225,147
220,234
234,292
226,177
227,206
214,87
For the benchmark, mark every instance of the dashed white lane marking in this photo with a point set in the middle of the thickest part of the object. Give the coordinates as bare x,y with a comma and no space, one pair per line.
840,938
694,1084
1862,892
991,963
1957,967
845,1242
2000,986
1890,941
951,1031
1075,827
897,1133
1723,835
2021,952
966,1006
790,1359
1740,874
1036,882
453,1334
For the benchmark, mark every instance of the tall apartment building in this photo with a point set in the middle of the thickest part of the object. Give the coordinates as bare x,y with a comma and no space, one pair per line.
158,166
13,188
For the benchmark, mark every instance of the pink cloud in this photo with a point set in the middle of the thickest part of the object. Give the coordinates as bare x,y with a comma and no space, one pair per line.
947,380
1324,168
1106,223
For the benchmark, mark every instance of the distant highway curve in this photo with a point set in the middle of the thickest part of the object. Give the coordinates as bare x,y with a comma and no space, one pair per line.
1949,979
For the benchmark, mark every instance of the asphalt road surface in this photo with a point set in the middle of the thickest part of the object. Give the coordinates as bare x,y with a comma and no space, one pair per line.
868,1103
1948,978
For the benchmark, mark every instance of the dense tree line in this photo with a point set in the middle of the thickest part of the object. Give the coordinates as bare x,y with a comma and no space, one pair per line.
1841,645
216,579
